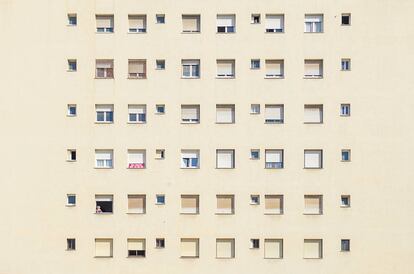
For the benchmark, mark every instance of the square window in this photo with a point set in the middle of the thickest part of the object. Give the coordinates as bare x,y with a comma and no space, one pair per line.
137,114
70,244
254,243
313,159
189,204
103,248
255,64
160,64
72,65
137,23
136,247
345,201
160,18
190,114
313,69
255,199
190,69
71,200
255,154
160,109
104,23
313,205
191,23
71,155
225,248
104,203
346,155
255,19
312,249
136,159
71,110
275,23
255,109
72,19
103,158
137,69
160,154
189,248
274,204
226,68
273,158
226,23
345,64
225,204
225,114
345,245
274,69
190,159
313,23
346,19
345,110
274,114
225,158
137,203
104,69
273,248
159,243
160,199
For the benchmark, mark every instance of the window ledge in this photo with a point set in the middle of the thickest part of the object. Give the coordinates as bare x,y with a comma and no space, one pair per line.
134,123
69,205
103,257
274,77
275,32
104,32
108,78
312,77
190,77
226,32
104,213
68,115
313,123
105,123
71,161
342,206
190,168
190,32
253,204
137,32
103,167
312,168
230,77
269,213
185,213
225,168
312,32
70,70
137,78
190,123
134,213
312,214
222,213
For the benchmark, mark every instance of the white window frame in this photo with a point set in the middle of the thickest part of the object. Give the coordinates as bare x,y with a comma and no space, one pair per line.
70,106
320,161
105,68
272,29
193,120
314,23
271,164
187,162
139,112
319,74
231,120
140,153
193,66
275,120
227,27
104,162
107,111
105,29
143,28
230,74
232,160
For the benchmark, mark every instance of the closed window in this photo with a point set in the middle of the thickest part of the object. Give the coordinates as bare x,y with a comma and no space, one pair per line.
225,114
160,199
191,23
160,18
190,158
345,201
225,204
345,64
136,247
105,23
345,110
312,249
103,158
190,114
313,23
104,113
225,248
160,109
274,204
225,68
274,158
104,69
225,158
346,19
71,110
72,19
136,159
137,69
189,204
274,68
346,155
103,247
226,23
137,23
71,199
345,245
255,154
189,248
137,113
104,204
313,159
255,109
274,114
255,64
313,69
313,204
190,68
137,204
72,65
275,23
313,114
160,64
273,248
70,244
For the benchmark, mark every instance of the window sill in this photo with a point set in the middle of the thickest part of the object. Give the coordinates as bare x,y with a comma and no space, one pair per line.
224,77
222,213
68,205
224,167
226,32
185,213
344,206
190,32
134,213
71,161
131,168
104,213
273,168
274,32
104,123
137,78
135,257
312,258
103,167
69,115
254,204
254,158
189,167
189,257
269,213
313,32
225,123
312,214
100,78
190,123
137,32
274,123
100,257
190,77
134,123
159,68
274,77
104,32
71,25
70,70
345,161
313,123
160,204
159,113
312,77
312,168
70,250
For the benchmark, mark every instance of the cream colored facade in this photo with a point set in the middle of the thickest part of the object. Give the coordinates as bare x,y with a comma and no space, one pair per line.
36,176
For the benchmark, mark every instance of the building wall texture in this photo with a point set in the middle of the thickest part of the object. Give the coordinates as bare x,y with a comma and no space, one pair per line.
35,177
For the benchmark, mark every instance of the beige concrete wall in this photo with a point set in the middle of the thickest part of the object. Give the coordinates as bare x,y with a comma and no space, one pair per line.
35,133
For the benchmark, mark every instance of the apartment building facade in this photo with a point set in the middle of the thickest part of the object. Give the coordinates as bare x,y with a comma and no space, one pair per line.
202,137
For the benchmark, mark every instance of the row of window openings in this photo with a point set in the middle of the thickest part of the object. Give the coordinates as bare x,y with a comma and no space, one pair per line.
225,158
274,68
190,204
225,247
225,23
225,114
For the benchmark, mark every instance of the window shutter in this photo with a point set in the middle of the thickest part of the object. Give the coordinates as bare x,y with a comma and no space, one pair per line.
312,249
136,66
103,155
225,159
313,159
104,64
136,109
313,68
103,247
136,204
104,21
273,248
191,23
273,156
313,204
273,112
137,22
189,204
103,198
136,157
225,68
225,20
224,114
313,114
313,18
273,204
224,248
225,204
274,21
136,244
189,247
189,112
189,154
274,68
